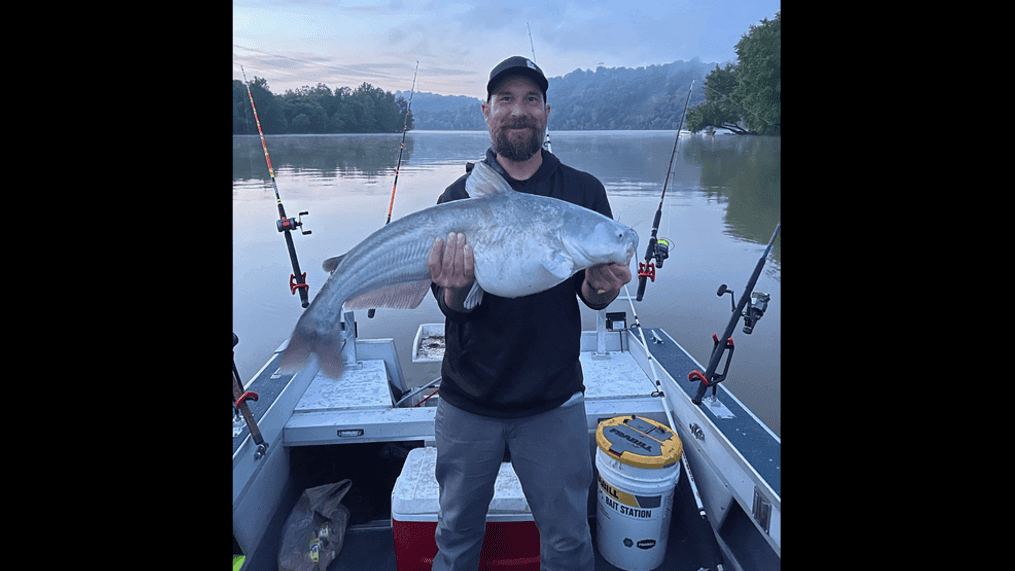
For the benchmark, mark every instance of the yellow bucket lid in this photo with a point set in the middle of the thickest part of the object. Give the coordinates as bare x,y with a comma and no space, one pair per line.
639,442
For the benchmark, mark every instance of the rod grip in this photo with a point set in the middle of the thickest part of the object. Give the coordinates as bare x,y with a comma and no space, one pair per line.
702,387
297,274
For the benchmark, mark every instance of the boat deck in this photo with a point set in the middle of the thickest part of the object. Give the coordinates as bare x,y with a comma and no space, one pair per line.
319,453
759,446
368,546
687,550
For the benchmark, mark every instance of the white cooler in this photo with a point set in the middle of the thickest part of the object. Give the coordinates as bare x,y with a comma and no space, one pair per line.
511,542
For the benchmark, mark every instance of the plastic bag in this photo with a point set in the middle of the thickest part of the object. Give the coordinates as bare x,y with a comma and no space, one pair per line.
314,532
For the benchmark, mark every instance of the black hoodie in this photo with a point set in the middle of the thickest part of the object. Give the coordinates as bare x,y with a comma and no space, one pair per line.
519,357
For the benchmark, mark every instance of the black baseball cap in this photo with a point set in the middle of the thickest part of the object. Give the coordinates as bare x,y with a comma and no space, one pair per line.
517,65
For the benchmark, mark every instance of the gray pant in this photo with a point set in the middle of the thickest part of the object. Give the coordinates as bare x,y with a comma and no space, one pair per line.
550,455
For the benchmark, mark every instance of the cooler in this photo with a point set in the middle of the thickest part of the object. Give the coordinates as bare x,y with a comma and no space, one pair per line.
511,542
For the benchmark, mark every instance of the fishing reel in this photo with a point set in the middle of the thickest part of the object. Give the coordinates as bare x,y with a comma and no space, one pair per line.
755,309
662,251
756,306
658,250
284,224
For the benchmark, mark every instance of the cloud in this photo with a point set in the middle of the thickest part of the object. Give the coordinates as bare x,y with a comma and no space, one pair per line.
457,43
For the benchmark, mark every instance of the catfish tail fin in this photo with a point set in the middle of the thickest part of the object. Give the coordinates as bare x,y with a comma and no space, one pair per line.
306,341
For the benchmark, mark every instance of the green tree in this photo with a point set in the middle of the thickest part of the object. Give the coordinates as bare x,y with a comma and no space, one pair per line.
318,109
324,97
269,109
360,116
338,122
317,103
720,109
300,124
379,113
241,110
403,108
760,76
746,98
302,103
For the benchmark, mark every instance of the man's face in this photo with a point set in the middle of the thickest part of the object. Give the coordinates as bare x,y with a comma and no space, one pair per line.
516,116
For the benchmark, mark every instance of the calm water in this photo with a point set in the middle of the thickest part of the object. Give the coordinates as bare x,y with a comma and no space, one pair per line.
722,204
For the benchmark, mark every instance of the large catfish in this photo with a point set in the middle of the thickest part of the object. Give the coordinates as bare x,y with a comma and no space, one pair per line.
522,244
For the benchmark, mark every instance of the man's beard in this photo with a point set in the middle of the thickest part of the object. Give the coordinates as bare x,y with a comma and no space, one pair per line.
519,146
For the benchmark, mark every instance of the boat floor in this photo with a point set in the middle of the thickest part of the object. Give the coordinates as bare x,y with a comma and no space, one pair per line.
371,548
370,545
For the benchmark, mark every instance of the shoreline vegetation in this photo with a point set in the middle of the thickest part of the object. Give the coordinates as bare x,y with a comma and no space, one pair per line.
743,97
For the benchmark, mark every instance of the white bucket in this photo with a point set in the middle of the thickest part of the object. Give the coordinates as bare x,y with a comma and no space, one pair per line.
639,465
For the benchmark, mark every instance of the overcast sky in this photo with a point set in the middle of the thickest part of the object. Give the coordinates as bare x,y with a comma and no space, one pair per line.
293,43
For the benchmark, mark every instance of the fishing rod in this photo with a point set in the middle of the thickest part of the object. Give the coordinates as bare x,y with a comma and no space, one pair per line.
297,280
405,127
240,407
546,139
756,304
401,147
705,532
659,249
531,45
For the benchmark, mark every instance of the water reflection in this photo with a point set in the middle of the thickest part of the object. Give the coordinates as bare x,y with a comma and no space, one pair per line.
723,201
326,156
745,173
742,173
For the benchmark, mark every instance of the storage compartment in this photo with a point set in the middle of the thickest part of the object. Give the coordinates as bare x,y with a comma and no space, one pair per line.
511,542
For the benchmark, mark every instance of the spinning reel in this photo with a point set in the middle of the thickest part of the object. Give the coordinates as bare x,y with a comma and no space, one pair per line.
756,306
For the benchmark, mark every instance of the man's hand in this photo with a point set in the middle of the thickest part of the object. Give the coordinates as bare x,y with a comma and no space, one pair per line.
452,268
603,282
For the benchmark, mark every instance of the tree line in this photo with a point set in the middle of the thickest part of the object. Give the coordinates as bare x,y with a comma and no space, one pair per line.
743,97
366,109
602,99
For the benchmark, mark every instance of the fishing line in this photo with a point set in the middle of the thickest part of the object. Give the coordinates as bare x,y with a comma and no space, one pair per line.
297,280
546,139
398,165
647,269
401,147
531,45
716,551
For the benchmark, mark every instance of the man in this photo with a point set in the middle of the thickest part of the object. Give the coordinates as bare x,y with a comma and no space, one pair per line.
511,379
